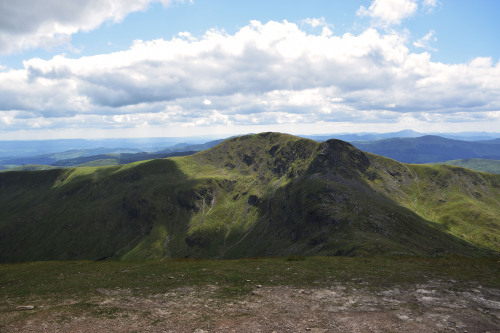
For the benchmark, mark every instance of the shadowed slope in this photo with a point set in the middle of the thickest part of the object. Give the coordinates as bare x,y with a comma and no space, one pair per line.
85,213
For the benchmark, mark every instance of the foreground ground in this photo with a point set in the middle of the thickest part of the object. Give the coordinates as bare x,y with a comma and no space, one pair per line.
254,295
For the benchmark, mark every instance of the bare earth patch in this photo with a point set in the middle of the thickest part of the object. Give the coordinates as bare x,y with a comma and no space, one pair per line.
433,307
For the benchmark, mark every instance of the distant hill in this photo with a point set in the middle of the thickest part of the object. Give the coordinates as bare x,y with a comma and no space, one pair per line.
428,149
350,137
493,141
48,159
28,167
100,156
190,147
28,148
365,136
116,159
268,194
478,164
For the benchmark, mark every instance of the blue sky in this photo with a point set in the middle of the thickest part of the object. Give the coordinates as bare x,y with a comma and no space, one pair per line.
138,68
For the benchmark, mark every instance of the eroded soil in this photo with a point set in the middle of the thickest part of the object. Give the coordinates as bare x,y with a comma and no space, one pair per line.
434,307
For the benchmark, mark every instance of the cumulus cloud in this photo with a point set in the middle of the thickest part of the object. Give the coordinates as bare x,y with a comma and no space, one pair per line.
273,73
319,22
425,42
389,12
26,24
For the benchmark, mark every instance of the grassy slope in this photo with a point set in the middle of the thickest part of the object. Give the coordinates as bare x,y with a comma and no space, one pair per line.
465,202
28,167
267,194
84,212
478,164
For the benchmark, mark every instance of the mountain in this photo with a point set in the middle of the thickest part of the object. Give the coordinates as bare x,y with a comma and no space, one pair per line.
48,159
28,148
99,156
191,147
493,141
116,159
429,148
365,136
268,194
181,149
469,136
464,136
478,164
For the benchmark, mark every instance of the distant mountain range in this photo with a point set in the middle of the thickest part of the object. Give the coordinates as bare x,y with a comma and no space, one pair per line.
404,146
430,148
350,137
116,159
28,148
100,156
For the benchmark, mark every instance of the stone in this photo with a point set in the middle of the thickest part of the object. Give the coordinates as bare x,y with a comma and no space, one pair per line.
25,307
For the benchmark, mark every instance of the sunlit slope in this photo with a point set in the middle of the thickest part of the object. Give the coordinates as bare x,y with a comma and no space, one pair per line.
478,164
260,195
466,202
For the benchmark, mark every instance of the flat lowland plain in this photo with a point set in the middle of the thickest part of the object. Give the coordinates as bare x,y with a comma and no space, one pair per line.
292,294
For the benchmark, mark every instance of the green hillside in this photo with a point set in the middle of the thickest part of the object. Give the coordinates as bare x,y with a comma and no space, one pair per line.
29,167
478,164
260,195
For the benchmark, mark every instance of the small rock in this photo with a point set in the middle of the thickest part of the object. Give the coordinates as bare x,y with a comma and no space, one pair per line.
171,277
199,330
259,286
25,307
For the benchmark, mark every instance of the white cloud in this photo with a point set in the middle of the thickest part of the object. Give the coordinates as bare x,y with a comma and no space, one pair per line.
264,74
389,12
430,3
320,22
317,22
425,42
26,24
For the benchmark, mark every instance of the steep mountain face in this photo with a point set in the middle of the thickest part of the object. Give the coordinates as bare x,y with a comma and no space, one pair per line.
260,195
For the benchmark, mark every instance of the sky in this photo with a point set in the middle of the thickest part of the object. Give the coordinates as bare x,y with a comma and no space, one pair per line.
169,68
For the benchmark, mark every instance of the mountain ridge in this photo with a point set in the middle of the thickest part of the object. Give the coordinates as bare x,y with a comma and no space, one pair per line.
258,195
